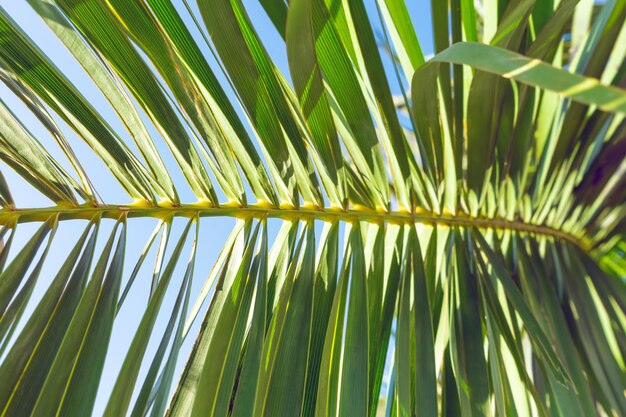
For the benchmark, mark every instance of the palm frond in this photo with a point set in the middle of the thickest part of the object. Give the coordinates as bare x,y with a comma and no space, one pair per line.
415,235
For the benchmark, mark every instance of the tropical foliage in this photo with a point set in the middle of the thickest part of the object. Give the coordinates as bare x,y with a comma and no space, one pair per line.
451,227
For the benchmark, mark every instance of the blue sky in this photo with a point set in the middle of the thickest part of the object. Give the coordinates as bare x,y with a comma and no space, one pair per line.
213,232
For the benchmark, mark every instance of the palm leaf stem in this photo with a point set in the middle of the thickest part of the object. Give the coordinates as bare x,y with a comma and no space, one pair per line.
259,211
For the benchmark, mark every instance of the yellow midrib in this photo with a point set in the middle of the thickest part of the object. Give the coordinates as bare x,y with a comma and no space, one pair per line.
303,213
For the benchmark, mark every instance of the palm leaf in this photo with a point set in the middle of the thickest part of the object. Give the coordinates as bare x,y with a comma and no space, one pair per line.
455,249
